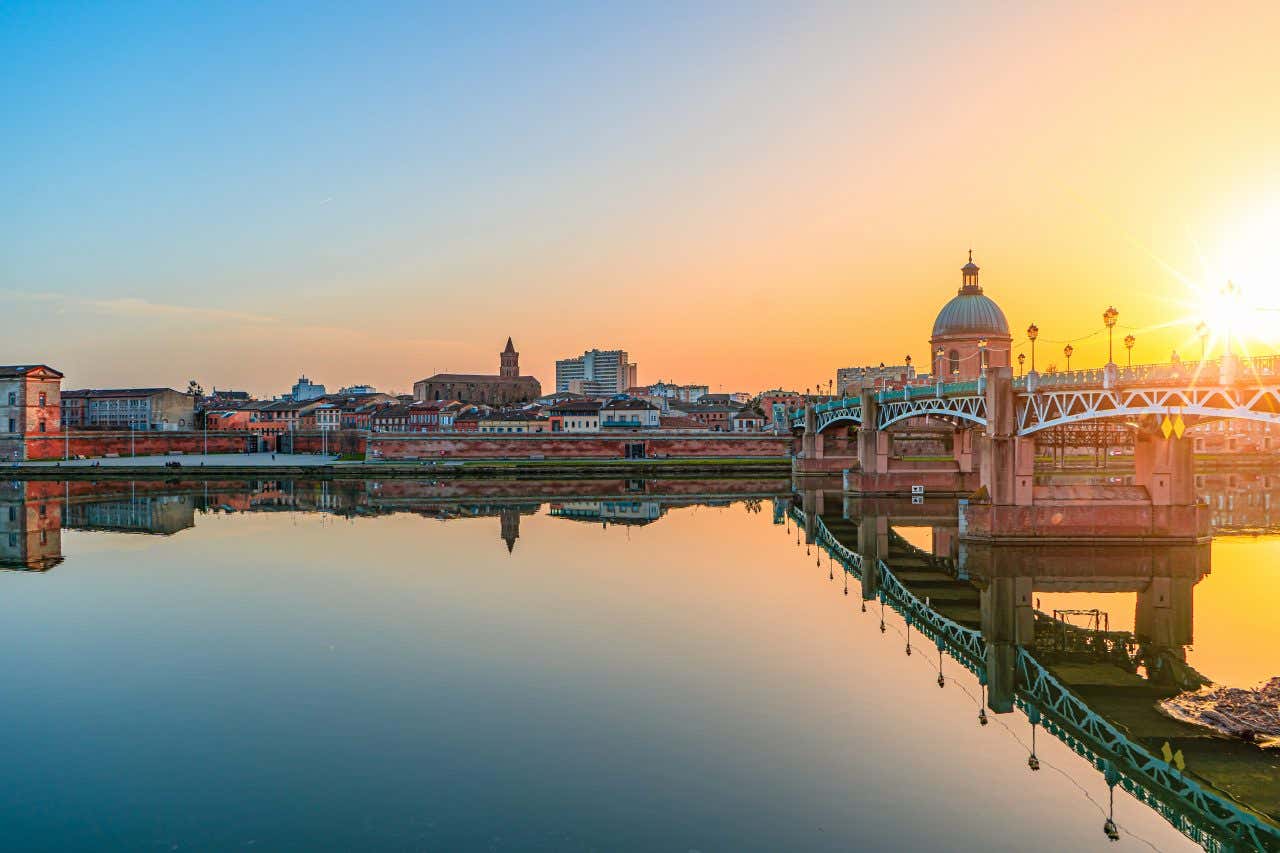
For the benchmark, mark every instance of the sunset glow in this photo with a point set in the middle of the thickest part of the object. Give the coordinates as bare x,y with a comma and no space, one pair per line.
379,215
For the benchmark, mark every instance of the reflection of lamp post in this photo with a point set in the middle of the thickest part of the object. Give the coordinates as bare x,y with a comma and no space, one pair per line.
1129,341
1068,351
1203,331
1022,360
1109,320
982,352
1033,332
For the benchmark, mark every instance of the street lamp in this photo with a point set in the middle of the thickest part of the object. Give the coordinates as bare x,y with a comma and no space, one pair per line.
982,352
1068,351
938,358
907,361
1203,331
1022,360
1109,320
1129,341
1033,332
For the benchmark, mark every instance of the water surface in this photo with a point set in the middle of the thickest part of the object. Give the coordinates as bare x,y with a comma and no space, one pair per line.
531,675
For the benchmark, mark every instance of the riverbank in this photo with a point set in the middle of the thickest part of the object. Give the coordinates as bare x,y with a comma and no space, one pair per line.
294,469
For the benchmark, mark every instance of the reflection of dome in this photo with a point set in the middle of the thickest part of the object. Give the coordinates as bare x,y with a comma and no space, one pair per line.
971,314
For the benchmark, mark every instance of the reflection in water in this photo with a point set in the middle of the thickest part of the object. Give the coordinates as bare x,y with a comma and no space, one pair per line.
705,613
1111,688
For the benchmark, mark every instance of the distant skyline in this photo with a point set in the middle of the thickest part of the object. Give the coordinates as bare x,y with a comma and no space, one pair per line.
747,196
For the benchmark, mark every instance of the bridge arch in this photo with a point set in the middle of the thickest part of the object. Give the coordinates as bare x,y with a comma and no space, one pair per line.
970,409
1040,412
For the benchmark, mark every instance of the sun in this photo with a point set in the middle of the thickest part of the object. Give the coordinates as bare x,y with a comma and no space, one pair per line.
1234,303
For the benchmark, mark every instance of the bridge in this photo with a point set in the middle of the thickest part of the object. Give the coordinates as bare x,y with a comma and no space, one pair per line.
1227,388
994,421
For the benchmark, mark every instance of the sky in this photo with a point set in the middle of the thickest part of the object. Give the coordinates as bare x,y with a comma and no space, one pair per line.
741,195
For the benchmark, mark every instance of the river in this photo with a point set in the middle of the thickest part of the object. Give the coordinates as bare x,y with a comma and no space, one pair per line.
288,667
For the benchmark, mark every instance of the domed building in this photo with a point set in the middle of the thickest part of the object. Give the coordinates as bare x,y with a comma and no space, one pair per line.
966,326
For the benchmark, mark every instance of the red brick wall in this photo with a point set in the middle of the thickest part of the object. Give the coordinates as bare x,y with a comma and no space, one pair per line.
341,441
143,443
455,446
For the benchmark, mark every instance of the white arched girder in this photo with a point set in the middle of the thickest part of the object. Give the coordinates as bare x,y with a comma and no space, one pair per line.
971,408
1042,411
851,415
1046,409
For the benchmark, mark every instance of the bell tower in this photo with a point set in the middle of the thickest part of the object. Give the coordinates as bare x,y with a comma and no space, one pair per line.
969,277
509,367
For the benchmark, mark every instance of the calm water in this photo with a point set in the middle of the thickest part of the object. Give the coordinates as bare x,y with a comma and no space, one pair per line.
549,674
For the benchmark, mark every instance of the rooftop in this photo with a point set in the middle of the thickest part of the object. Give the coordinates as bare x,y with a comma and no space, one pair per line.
14,371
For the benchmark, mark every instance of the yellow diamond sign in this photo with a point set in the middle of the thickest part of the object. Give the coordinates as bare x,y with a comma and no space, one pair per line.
1166,426
1179,425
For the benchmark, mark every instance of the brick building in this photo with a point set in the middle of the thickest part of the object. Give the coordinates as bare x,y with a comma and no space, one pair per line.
504,389
30,405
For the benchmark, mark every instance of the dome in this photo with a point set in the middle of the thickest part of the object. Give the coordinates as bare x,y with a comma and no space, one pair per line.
971,315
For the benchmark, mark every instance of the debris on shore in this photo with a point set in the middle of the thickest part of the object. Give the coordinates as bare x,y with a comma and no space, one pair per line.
1249,714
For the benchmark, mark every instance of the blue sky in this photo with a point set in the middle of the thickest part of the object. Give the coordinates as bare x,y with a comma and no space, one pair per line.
239,192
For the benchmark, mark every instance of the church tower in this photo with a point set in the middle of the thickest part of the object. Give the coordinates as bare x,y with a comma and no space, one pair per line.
510,366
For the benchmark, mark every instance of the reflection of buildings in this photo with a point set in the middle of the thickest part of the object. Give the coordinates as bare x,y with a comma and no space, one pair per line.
158,514
30,527
610,512
32,514
1242,502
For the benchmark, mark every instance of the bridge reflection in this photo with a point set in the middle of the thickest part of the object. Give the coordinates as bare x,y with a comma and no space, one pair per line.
1096,689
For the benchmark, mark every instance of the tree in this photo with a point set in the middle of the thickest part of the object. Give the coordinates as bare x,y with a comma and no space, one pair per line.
194,389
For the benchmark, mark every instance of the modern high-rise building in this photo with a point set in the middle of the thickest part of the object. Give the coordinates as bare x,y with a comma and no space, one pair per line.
596,373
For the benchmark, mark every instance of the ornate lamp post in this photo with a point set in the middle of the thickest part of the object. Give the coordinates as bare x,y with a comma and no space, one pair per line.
1068,351
1129,341
1033,332
982,353
1022,360
938,357
909,377
1109,318
1203,331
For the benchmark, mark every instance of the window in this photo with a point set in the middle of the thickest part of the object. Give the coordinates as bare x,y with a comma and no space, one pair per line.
13,425
44,398
954,358
13,398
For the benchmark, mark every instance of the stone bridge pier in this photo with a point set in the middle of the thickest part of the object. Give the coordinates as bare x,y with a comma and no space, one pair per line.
1160,506
881,472
830,452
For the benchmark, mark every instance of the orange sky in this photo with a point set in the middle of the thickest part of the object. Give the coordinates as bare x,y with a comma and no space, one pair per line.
741,202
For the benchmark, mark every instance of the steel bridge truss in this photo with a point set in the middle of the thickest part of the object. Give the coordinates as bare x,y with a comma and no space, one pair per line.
1039,411
1049,409
971,409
